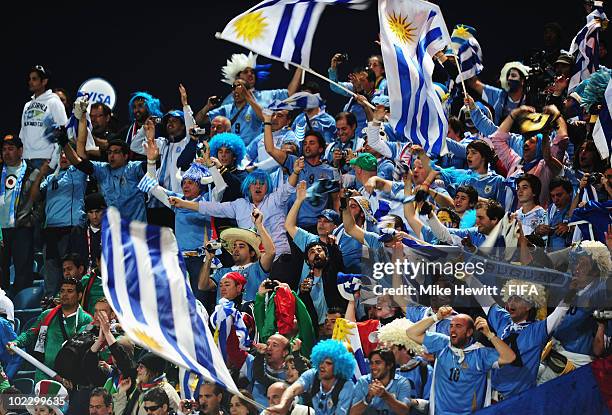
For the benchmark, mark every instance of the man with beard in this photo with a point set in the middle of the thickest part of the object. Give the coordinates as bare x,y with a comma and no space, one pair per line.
318,290
382,391
142,106
459,383
327,221
328,382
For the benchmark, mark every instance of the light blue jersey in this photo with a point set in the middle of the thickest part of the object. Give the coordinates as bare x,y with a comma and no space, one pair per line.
64,197
529,339
322,401
414,374
458,388
301,240
263,98
500,101
245,124
309,214
120,188
399,387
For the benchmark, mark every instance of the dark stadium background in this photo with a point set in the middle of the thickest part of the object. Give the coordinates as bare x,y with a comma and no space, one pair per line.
153,47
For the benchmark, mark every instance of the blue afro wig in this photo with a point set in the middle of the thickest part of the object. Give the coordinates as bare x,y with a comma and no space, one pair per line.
256,176
344,361
230,141
152,103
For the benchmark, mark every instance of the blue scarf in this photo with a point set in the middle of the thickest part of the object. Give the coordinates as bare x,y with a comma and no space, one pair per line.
16,192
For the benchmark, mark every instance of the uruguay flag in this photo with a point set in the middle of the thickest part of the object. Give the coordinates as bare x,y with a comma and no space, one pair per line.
411,32
281,29
585,47
602,132
143,277
300,100
468,51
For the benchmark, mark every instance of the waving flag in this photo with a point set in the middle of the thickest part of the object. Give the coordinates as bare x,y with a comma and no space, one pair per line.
411,32
467,49
281,29
354,334
602,132
300,100
143,277
585,47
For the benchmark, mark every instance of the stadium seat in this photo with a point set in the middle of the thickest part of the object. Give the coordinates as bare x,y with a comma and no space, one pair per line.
25,385
28,298
16,324
27,317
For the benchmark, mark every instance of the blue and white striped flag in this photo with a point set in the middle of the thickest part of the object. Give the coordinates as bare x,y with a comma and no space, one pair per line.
147,183
585,48
470,59
281,29
602,132
467,49
300,100
411,32
143,276
223,319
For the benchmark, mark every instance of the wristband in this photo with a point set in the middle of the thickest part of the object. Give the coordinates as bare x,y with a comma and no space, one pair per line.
435,318
151,161
267,123
511,117
491,336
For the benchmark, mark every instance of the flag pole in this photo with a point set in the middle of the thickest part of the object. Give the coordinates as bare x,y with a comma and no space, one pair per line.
465,94
348,91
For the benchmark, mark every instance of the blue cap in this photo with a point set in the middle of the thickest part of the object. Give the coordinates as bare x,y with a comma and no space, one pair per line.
175,114
331,215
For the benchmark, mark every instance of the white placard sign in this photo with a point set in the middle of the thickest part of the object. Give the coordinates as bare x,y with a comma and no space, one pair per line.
98,90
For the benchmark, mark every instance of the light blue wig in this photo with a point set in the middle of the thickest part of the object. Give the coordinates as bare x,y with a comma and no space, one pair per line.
256,176
152,103
344,361
230,141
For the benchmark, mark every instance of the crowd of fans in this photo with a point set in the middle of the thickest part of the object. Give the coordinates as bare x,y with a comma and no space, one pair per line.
270,207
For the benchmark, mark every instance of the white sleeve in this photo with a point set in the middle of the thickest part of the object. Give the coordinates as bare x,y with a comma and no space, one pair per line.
220,185
189,120
58,111
137,140
441,232
555,318
375,141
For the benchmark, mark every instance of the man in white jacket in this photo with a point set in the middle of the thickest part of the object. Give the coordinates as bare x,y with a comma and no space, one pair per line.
44,103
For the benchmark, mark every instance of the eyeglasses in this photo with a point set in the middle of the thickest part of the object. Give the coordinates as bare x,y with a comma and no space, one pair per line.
152,408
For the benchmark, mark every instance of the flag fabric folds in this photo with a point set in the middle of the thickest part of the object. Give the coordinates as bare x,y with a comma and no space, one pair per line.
411,32
281,29
300,100
468,51
143,277
585,48
602,132
349,333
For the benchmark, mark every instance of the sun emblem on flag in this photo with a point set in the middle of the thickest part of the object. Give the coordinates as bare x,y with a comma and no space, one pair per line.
462,32
401,27
250,26
147,340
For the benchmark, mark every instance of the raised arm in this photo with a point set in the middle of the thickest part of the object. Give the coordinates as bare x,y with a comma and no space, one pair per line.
288,396
296,82
82,136
350,226
250,98
202,116
416,332
205,283
292,216
553,163
276,153
506,355
269,251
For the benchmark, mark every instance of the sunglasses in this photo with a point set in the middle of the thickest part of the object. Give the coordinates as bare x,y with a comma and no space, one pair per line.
152,408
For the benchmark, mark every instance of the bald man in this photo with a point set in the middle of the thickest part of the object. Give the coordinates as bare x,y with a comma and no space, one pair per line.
275,392
459,383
